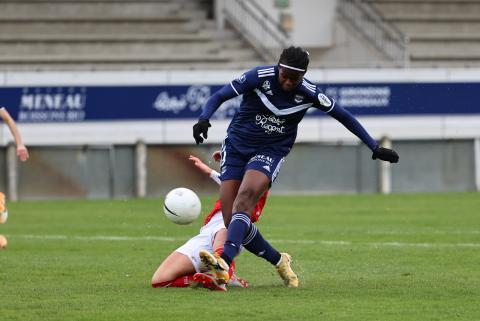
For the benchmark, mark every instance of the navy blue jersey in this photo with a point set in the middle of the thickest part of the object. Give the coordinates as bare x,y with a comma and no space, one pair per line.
269,116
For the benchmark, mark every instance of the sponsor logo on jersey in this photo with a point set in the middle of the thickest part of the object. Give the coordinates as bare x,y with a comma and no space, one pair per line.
270,124
324,100
267,160
266,85
298,98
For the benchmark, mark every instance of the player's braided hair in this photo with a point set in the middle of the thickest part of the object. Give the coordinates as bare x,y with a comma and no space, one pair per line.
294,57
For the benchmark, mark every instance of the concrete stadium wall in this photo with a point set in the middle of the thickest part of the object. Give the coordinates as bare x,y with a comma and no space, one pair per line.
99,172
303,12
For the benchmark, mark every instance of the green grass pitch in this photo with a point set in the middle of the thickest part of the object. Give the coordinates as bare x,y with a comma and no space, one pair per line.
359,257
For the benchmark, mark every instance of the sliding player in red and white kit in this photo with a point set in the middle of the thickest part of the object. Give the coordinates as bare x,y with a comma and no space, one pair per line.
183,267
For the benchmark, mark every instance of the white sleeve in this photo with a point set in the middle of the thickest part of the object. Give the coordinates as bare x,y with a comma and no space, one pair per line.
215,176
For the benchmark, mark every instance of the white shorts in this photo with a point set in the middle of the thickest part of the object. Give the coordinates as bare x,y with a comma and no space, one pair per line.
204,240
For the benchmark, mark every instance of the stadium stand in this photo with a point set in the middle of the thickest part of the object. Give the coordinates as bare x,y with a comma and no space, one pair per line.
116,34
181,34
441,33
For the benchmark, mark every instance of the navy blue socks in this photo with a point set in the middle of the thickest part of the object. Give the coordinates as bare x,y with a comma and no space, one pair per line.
242,231
238,228
256,244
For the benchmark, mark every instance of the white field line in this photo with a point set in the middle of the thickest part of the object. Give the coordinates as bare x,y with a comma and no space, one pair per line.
101,238
183,239
424,232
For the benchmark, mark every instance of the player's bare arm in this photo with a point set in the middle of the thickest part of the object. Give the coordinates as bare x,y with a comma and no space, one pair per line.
214,175
200,165
22,151
217,155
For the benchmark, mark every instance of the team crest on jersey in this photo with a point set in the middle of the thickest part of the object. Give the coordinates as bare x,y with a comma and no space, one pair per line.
242,78
269,93
298,98
266,85
324,100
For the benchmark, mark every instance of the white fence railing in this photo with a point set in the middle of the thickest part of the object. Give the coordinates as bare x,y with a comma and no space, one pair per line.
255,25
369,22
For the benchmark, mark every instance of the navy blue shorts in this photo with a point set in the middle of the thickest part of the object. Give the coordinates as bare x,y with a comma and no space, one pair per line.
234,163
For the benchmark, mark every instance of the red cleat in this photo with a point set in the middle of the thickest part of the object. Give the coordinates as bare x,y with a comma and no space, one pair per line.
208,282
236,281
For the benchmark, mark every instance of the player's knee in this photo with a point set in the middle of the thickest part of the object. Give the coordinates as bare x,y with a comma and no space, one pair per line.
160,278
159,283
154,284
155,281
245,200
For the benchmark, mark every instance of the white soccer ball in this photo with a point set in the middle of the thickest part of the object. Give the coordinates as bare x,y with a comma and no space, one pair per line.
182,206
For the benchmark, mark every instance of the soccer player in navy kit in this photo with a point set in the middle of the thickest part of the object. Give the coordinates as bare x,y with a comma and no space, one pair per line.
259,137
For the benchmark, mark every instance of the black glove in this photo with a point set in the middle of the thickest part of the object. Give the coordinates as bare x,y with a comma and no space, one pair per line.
201,128
385,154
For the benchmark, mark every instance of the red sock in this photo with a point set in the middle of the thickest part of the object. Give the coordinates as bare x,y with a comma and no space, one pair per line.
180,282
218,251
231,269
